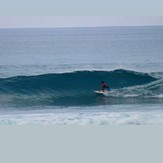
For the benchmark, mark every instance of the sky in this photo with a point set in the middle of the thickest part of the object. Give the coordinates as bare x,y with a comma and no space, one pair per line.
76,21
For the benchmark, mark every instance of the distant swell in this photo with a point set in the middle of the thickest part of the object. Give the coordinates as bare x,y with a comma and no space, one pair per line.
77,88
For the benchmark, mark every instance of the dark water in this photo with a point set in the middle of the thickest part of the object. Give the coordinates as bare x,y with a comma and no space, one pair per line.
77,88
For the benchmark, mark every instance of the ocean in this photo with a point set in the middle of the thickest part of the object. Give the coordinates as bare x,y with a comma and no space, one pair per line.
48,76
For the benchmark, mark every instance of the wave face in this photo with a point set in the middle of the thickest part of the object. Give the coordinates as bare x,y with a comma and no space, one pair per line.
77,88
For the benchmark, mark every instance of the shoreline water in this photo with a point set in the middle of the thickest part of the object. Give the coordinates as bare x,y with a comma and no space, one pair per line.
102,115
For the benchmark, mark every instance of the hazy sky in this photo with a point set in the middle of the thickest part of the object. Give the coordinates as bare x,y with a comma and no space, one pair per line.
75,21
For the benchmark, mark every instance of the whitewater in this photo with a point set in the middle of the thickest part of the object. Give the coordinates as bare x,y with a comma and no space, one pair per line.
48,76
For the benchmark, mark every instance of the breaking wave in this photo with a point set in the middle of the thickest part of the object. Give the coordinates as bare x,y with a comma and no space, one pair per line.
77,88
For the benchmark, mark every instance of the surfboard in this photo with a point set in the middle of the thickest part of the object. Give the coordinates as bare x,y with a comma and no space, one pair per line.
105,93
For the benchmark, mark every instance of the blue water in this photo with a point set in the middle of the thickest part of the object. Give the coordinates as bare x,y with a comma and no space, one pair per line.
48,76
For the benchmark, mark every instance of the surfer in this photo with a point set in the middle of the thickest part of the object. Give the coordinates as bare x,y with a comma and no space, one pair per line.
104,89
104,86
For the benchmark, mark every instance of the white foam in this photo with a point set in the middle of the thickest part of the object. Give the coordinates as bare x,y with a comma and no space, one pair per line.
160,96
87,117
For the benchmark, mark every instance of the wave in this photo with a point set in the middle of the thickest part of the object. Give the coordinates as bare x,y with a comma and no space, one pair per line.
151,90
77,88
80,80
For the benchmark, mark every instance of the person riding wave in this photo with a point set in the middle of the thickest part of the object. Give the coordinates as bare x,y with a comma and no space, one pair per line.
104,86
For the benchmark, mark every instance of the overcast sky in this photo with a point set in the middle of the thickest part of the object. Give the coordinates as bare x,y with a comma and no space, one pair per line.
76,21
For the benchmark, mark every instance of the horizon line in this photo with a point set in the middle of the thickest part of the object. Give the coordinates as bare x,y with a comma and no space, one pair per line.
82,27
